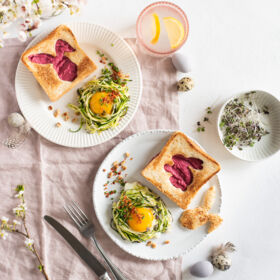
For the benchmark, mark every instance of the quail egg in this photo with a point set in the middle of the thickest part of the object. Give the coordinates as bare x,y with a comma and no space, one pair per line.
221,262
202,269
185,84
15,120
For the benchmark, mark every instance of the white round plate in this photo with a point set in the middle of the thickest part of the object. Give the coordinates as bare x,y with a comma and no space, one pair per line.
33,101
142,147
269,144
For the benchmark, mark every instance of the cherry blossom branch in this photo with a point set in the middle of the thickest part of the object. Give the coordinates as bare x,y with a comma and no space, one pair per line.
20,213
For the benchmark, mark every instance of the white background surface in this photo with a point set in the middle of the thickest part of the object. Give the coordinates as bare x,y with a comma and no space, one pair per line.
234,46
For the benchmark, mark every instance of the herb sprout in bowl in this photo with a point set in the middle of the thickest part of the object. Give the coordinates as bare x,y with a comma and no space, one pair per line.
248,125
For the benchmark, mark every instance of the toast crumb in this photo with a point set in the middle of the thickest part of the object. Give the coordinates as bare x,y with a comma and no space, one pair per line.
149,243
56,113
58,124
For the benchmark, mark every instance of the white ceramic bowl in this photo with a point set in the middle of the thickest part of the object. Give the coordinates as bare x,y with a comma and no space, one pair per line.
269,144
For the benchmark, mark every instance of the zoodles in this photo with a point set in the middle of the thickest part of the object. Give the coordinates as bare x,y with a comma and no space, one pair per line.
111,82
139,196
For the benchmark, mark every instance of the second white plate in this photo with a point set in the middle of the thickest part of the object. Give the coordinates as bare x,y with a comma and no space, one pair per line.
142,147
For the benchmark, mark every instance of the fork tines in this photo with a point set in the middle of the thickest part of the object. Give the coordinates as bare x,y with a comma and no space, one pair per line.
77,214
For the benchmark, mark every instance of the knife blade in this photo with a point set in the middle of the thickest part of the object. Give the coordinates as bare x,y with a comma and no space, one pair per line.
79,248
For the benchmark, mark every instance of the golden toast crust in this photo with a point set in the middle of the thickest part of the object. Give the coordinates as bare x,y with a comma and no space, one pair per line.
179,143
46,75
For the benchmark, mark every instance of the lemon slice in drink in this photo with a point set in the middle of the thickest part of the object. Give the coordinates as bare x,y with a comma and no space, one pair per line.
156,29
175,31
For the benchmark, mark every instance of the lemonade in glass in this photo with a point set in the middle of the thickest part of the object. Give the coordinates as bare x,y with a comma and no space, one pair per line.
162,28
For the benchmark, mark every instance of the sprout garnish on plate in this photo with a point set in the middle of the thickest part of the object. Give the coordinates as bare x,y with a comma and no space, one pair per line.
104,101
139,215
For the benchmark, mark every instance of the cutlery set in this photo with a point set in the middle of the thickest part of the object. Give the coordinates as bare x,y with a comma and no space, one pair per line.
86,228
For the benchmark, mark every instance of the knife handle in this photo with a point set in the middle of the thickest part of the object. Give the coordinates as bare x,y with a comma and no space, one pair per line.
116,272
105,276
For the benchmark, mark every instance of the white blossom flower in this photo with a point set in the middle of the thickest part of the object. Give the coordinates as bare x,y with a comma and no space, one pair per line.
5,34
4,220
23,206
3,234
29,243
20,210
16,222
15,210
19,194
22,36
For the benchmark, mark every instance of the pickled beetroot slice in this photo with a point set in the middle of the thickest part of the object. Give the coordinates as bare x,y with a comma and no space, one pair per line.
182,175
64,67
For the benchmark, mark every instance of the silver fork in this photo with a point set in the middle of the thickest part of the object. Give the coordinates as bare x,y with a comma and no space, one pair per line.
87,230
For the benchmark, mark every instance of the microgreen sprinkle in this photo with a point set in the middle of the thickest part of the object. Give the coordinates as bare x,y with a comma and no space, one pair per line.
242,123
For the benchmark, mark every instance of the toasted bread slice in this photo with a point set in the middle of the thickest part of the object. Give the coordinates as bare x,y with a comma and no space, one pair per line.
46,74
198,174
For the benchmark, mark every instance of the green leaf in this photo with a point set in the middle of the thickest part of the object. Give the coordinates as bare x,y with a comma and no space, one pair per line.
40,267
19,188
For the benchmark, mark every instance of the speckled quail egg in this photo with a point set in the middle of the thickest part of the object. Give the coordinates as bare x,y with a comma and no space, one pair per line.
181,63
15,120
221,262
202,269
185,84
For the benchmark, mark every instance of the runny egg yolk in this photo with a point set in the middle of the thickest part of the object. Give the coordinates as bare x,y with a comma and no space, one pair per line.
101,103
141,219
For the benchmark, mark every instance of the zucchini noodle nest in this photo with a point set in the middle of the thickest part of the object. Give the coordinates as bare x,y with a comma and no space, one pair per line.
118,98
133,197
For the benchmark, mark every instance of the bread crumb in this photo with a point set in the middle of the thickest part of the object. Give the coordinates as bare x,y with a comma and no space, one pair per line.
58,124
115,163
50,107
126,155
149,243
154,245
110,174
74,120
166,242
104,170
66,118
56,113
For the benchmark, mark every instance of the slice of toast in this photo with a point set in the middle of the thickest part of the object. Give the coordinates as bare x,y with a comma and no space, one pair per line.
193,169
51,80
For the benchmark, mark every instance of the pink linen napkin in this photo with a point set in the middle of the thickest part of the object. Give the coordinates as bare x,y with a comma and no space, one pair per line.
53,175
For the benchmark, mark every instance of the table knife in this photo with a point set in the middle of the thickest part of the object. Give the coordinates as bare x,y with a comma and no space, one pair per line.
80,249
